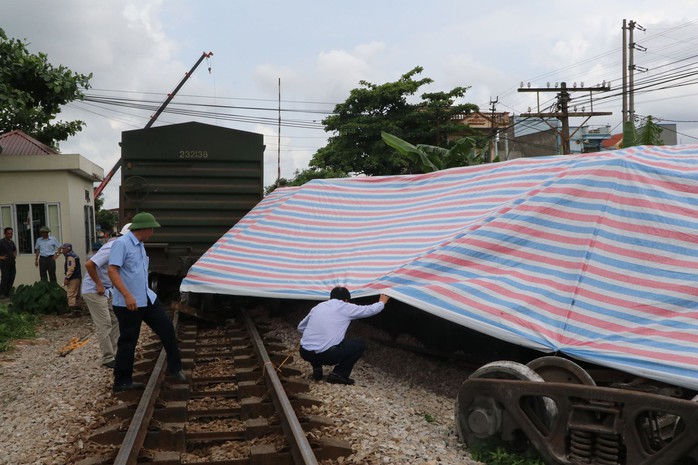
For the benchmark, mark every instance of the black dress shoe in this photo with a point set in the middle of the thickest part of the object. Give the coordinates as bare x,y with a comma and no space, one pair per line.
317,374
179,376
108,364
335,378
128,387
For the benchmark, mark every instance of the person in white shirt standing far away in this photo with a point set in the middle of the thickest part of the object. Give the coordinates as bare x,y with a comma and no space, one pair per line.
323,331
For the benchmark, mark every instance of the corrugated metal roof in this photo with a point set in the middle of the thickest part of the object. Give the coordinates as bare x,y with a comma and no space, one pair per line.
18,143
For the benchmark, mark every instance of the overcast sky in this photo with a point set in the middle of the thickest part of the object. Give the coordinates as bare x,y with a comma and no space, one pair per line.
322,49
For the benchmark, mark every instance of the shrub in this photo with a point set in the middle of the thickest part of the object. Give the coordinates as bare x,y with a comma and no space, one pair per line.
14,325
42,297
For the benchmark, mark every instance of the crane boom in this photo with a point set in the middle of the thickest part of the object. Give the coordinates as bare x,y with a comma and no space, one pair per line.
170,96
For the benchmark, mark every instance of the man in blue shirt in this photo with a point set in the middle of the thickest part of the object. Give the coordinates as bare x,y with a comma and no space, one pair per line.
323,331
134,302
47,249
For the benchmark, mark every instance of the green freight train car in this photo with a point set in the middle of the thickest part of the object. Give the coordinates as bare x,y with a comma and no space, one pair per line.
197,179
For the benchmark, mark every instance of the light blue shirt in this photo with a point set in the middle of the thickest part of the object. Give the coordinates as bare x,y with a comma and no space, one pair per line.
47,247
128,253
327,323
101,261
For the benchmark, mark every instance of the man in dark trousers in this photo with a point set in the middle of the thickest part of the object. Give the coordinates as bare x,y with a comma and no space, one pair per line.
47,250
8,266
134,302
323,331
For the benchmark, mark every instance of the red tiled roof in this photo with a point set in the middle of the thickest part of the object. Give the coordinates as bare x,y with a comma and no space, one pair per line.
18,143
613,142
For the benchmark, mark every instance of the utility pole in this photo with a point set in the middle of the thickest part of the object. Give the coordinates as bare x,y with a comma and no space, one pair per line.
562,112
625,73
278,142
632,46
494,148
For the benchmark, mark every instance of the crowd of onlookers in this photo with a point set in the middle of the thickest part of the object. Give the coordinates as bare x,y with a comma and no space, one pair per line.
47,250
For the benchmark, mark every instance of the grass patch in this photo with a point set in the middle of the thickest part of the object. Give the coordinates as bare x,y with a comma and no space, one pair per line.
500,456
15,325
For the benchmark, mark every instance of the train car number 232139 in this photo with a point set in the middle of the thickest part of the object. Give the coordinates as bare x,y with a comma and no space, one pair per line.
193,154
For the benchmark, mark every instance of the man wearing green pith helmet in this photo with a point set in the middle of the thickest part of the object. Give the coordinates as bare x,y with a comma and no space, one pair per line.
134,302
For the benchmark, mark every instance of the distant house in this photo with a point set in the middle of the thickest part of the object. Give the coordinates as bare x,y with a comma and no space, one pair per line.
534,137
614,142
495,124
42,187
589,139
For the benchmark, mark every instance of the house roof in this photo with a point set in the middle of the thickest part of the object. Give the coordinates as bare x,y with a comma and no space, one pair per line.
18,143
613,142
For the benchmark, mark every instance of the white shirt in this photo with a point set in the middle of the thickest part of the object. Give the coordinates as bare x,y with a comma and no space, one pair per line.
327,323
101,261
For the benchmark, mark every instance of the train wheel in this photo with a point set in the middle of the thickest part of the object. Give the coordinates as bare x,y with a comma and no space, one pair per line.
560,370
480,419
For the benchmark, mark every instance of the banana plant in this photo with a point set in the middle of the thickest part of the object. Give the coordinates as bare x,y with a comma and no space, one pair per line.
648,134
428,158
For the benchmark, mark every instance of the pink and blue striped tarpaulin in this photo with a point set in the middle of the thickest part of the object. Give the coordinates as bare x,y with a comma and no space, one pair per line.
592,255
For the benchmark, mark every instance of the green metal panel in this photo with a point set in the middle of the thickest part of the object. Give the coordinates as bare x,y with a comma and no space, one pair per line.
197,179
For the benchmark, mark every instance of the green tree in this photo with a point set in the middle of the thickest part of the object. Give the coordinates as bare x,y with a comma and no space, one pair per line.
648,134
356,146
32,92
301,177
106,219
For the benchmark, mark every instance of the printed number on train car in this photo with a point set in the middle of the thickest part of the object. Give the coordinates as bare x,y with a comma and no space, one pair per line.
193,154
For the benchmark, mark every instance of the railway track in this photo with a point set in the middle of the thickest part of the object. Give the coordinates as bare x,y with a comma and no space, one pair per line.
239,406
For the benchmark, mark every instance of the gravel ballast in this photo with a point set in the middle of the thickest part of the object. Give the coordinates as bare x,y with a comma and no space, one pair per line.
399,411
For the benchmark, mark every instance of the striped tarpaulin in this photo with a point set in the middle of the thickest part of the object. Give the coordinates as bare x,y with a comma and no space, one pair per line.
593,255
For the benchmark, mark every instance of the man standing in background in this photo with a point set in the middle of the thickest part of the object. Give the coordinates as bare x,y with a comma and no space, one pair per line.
97,294
73,275
47,249
8,267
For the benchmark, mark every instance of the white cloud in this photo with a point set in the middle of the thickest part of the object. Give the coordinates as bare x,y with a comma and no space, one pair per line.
143,48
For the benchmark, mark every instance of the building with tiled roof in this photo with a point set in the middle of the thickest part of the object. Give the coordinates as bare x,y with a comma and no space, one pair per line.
18,143
40,186
613,143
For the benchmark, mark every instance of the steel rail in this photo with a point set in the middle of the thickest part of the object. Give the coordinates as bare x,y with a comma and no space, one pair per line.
301,451
138,428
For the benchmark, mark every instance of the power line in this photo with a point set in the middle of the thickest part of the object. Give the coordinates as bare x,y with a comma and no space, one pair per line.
681,53
188,110
160,94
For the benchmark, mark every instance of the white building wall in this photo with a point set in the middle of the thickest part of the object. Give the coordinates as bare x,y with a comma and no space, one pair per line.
61,179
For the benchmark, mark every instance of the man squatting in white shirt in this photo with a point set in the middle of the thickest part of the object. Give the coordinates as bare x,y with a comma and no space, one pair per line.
323,331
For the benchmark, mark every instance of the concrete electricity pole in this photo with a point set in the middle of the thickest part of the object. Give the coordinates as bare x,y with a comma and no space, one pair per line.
494,142
625,73
632,46
562,112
